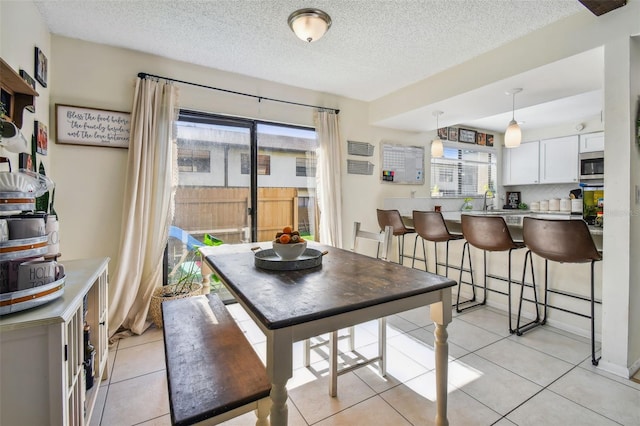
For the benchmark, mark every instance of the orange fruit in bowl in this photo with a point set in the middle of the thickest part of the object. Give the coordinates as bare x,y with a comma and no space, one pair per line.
287,230
284,238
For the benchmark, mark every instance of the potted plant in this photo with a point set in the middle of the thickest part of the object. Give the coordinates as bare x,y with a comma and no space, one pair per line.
184,280
468,204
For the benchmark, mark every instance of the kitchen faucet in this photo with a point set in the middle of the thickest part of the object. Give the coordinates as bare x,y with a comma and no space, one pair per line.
484,201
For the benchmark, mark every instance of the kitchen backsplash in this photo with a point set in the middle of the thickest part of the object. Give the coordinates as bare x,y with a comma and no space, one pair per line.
528,194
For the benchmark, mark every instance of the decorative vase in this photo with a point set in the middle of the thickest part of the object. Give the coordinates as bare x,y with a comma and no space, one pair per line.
466,206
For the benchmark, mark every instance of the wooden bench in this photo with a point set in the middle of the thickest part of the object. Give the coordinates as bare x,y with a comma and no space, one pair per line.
213,373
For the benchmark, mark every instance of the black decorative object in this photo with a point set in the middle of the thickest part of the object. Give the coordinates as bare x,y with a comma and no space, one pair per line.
31,82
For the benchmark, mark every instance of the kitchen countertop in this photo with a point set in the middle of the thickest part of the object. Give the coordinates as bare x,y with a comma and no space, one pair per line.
514,217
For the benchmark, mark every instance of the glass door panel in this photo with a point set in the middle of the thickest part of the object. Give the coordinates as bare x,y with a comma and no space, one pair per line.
286,180
239,181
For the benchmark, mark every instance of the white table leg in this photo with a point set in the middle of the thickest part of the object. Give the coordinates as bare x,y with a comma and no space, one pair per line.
280,370
441,316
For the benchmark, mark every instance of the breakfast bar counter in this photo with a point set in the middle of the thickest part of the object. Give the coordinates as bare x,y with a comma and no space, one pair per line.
568,293
513,218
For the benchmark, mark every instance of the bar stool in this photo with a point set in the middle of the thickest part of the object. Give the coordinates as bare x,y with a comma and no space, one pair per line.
487,233
558,240
430,226
393,219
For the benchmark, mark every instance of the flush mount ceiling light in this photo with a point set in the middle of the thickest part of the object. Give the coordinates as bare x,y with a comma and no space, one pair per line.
437,150
309,24
513,134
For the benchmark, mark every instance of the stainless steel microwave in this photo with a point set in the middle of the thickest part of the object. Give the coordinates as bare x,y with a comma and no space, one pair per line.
592,166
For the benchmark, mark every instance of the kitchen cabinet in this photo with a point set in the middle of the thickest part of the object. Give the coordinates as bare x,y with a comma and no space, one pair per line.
591,142
520,164
546,161
559,160
42,375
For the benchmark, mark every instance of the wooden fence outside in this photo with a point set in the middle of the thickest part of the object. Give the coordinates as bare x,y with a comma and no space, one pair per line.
223,212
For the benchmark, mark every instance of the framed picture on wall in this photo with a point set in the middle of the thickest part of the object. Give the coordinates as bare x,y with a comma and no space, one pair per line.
25,161
481,138
489,140
443,133
453,134
41,67
42,137
108,128
466,135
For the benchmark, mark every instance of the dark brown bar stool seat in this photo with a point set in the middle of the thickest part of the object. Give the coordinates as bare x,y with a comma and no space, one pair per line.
487,233
393,219
558,240
430,226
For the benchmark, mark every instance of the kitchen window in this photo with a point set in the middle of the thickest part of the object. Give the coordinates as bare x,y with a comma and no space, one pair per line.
462,172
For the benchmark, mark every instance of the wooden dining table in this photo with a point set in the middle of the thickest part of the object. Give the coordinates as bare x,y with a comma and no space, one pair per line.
346,289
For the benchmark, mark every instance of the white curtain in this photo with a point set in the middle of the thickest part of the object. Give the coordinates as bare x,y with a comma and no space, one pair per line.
147,210
329,185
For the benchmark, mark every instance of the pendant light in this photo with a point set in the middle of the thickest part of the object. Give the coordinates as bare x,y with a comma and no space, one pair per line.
437,150
309,24
513,134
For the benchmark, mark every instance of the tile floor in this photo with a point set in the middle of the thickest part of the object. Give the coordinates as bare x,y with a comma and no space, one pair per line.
542,378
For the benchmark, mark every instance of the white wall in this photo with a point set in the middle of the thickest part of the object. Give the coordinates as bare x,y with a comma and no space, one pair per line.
110,86
634,284
621,339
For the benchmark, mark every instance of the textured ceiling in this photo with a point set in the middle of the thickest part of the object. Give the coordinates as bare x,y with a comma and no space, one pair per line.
374,47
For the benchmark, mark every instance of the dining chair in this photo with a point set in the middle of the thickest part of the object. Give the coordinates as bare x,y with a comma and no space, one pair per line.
383,246
394,219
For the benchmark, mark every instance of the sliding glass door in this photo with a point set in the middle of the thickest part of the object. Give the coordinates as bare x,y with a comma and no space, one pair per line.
241,181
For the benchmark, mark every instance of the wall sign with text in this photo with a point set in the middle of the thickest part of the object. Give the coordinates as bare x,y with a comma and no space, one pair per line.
89,126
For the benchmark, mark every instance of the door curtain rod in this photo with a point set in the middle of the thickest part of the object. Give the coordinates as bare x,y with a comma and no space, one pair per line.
259,98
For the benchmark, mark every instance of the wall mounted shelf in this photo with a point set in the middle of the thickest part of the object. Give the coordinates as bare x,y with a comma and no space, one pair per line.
15,92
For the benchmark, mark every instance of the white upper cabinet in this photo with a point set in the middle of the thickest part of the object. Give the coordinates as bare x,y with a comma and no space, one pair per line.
591,142
520,164
559,160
